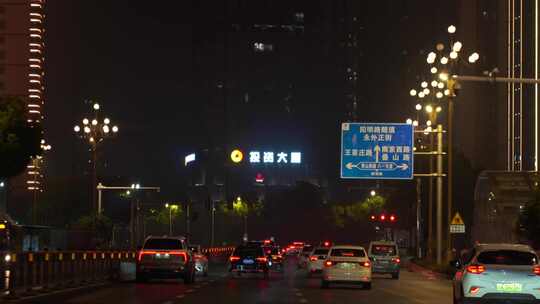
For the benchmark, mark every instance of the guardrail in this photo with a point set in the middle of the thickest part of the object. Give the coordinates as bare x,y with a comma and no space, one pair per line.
30,273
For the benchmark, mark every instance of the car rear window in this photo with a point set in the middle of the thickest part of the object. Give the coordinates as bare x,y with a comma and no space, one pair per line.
383,250
307,249
163,244
320,251
507,257
248,252
345,252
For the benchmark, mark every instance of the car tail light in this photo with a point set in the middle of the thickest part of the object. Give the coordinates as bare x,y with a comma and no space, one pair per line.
328,263
474,289
313,258
234,259
536,270
262,260
476,269
396,260
366,264
144,252
180,253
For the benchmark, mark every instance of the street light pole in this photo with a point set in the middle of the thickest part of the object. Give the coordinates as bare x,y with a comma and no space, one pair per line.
439,192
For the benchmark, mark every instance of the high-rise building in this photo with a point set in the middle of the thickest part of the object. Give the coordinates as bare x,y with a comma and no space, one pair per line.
22,46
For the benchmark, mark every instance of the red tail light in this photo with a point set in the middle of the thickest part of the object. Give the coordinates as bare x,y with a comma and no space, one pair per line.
313,258
180,253
396,260
328,263
234,259
262,260
268,251
144,252
366,264
476,269
536,270
474,289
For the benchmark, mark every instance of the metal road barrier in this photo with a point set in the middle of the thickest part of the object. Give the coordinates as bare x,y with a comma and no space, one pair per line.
30,273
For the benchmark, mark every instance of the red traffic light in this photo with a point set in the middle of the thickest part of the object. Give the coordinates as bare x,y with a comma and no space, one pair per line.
327,243
392,218
373,217
383,217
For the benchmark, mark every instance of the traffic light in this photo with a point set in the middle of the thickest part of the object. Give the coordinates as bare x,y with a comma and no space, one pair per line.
383,218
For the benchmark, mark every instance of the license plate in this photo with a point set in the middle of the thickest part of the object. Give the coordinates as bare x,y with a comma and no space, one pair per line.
247,261
240,267
346,265
162,256
383,262
509,287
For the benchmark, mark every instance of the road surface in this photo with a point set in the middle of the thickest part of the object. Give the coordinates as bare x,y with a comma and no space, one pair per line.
292,286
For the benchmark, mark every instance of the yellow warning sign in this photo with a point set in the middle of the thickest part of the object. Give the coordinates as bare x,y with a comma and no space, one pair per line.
457,220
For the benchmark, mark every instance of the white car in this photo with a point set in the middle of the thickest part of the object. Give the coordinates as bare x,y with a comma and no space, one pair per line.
316,260
497,272
303,256
347,265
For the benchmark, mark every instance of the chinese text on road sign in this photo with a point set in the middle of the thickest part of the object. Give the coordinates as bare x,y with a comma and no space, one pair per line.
376,151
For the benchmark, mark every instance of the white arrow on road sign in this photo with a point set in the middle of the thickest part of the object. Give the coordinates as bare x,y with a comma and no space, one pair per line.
382,166
377,150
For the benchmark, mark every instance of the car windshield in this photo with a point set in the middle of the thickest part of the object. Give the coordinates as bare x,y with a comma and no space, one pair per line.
346,252
383,250
163,244
507,257
320,251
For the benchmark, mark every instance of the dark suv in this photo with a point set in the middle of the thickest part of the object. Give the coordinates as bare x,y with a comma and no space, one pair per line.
249,259
165,257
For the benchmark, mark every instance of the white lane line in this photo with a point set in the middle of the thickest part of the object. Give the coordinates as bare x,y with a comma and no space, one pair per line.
299,294
197,286
168,302
190,290
303,300
180,296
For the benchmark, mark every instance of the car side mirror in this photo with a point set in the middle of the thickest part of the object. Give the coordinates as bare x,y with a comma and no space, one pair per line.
456,264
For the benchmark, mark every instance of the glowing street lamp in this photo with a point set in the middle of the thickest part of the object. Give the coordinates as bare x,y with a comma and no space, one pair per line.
95,131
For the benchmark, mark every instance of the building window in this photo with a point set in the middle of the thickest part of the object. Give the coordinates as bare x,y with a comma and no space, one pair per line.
262,47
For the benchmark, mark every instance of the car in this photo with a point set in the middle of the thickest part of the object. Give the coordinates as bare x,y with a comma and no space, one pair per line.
384,256
276,258
295,248
201,261
249,259
346,265
165,257
497,272
303,256
316,260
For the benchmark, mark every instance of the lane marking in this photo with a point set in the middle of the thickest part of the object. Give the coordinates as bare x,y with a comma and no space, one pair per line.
180,296
299,294
303,300
197,286
190,290
168,302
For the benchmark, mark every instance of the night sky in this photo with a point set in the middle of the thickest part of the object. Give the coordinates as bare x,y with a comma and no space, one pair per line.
138,59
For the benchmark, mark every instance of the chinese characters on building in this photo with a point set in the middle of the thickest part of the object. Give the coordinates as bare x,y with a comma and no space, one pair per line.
257,157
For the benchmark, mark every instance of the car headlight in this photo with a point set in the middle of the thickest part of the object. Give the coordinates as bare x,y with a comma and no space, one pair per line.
7,258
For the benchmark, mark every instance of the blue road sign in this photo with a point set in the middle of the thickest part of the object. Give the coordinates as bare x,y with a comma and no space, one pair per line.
377,151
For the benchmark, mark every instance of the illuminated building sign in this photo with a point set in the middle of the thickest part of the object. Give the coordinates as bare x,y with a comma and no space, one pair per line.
237,156
270,157
188,159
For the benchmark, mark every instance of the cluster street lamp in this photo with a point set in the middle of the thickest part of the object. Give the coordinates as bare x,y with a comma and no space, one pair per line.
443,65
95,130
456,61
